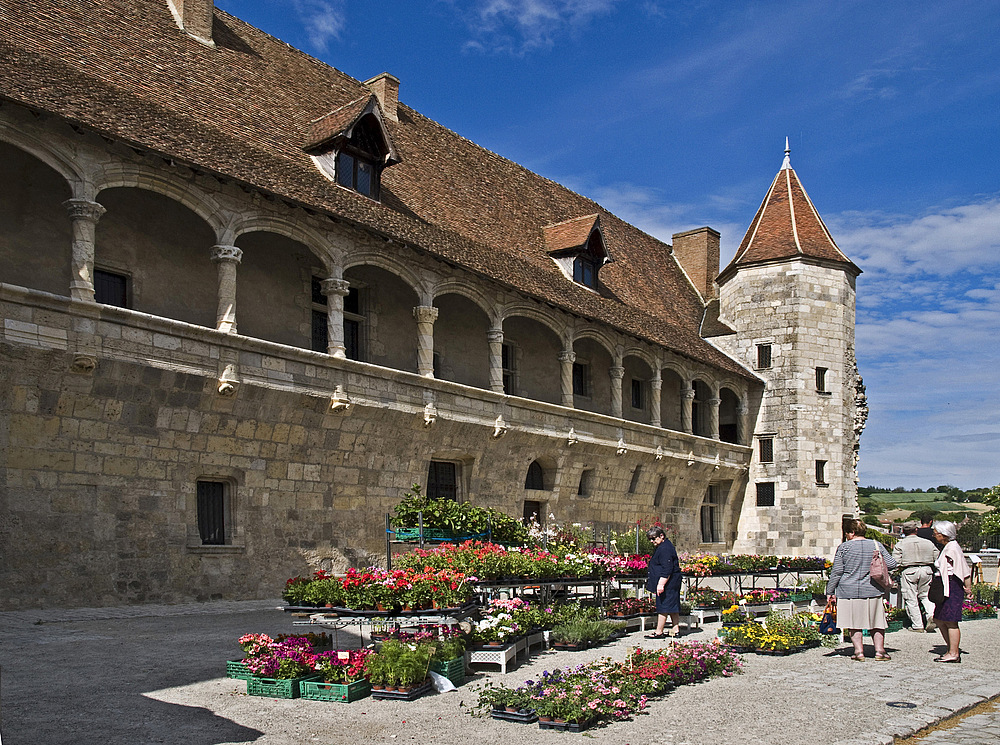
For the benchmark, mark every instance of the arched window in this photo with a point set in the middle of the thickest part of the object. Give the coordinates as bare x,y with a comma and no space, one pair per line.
535,478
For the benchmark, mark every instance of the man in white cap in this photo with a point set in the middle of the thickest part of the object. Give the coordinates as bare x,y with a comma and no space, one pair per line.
916,557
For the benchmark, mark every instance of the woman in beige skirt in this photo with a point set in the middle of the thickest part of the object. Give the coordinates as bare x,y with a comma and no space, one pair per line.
858,597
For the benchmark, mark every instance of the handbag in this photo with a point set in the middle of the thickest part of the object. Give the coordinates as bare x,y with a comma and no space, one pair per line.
935,593
880,572
828,623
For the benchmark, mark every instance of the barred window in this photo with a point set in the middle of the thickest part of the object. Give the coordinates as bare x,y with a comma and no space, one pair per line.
765,494
765,449
763,356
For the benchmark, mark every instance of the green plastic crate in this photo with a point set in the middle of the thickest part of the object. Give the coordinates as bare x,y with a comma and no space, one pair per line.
277,687
317,690
237,669
453,670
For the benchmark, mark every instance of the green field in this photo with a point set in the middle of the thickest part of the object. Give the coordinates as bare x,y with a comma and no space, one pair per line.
908,498
926,502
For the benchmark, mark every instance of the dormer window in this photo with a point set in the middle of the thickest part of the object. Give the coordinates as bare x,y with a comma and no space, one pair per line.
585,271
577,247
352,147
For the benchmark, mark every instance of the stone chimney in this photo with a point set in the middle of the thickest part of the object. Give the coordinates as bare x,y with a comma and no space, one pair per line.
194,17
697,251
386,90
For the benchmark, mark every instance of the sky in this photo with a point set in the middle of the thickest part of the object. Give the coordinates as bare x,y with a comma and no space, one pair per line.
673,115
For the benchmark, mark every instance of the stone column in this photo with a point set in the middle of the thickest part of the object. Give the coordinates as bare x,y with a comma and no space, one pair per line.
713,417
425,315
227,258
687,404
566,359
495,339
84,215
654,399
617,373
335,290
742,435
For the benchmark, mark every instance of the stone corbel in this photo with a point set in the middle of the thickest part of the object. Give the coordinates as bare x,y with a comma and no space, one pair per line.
499,428
571,438
659,452
690,458
340,403
718,461
229,381
83,362
622,447
430,414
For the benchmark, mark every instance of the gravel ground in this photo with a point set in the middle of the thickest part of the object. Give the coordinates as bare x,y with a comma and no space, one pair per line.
155,675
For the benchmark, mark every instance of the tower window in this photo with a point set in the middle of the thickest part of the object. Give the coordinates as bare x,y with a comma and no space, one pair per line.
765,494
821,472
821,380
660,486
535,478
634,483
763,356
765,449
586,487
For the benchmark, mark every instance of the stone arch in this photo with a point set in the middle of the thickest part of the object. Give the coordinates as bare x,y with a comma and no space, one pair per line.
35,228
699,407
263,223
729,404
383,323
636,393
536,313
137,176
389,264
163,248
468,290
598,336
55,157
532,353
461,339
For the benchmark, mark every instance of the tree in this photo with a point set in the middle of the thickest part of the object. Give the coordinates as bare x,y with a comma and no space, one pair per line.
871,507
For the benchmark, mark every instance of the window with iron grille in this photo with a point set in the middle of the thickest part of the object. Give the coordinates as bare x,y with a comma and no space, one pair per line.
763,356
765,449
212,512
110,288
821,380
442,480
765,494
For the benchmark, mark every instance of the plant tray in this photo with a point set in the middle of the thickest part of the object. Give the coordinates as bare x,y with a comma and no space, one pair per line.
564,647
453,670
317,690
410,695
430,534
237,669
277,687
565,726
528,717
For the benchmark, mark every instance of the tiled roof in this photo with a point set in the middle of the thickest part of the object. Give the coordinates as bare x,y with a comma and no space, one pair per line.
570,233
245,109
786,225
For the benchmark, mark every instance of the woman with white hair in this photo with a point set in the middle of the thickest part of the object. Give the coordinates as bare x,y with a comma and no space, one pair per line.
956,581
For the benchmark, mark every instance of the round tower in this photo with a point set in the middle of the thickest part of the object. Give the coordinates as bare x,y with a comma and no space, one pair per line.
789,296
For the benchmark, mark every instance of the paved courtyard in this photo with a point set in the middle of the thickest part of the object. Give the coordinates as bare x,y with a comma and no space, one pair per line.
154,674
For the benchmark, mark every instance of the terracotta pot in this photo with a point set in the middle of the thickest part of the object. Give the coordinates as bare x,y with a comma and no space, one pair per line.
544,719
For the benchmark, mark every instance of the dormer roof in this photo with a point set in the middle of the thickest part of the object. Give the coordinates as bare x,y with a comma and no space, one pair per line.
572,236
339,124
787,225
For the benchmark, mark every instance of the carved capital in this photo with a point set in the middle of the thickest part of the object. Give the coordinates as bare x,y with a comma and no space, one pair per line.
335,287
567,356
84,209
617,372
494,336
425,313
688,394
226,253
714,402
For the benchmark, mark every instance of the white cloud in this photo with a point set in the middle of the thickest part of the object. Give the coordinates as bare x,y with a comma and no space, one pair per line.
928,324
323,19
519,26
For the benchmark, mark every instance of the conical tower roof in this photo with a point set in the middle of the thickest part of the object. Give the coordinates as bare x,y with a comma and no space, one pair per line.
786,226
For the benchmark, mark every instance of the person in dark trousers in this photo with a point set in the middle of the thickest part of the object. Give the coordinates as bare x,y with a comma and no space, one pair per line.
665,581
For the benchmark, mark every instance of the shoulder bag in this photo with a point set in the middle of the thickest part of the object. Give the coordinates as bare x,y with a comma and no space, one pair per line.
879,571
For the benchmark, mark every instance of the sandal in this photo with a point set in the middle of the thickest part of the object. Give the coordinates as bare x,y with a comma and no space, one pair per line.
656,636
882,658
942,659
858,657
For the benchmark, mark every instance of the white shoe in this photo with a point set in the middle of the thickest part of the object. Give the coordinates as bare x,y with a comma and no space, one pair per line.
931,626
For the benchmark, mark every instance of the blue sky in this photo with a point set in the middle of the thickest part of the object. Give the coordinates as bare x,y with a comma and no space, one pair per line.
673,115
